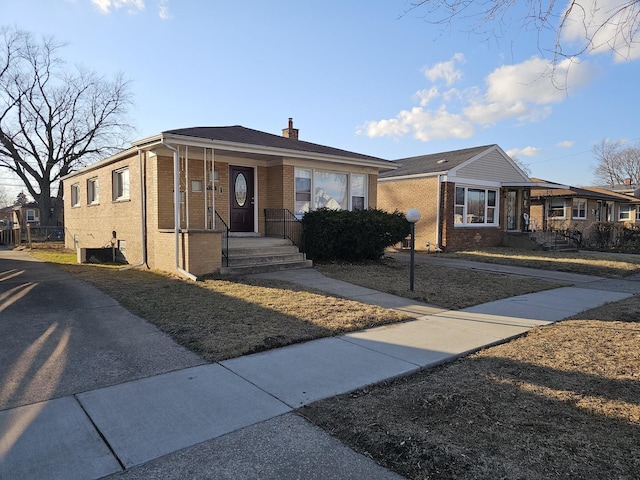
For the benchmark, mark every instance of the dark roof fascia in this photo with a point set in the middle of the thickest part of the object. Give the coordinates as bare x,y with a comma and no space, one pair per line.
577,192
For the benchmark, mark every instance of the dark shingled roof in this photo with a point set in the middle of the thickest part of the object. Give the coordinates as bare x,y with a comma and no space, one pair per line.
248,136
435,162
585,192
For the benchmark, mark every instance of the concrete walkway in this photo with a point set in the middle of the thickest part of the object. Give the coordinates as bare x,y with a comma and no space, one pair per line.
88,390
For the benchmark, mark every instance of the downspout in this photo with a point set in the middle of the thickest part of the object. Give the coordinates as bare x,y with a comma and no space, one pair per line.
438,230
143,216
176,201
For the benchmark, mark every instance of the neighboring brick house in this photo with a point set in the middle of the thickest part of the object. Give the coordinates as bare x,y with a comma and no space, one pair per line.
231,173
467,198
562,207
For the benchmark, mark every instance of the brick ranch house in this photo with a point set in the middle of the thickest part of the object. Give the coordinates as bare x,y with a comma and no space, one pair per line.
168,201
566,207
468,198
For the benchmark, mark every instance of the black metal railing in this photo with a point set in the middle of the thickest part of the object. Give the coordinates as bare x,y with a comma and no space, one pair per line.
281,223
222,225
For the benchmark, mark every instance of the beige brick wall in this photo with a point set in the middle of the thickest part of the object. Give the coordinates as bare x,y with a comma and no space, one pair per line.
403,195
91,226
373,191
199,253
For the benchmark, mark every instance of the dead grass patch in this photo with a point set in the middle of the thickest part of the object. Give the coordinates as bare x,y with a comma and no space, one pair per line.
443,286
588,263
562,401
221,319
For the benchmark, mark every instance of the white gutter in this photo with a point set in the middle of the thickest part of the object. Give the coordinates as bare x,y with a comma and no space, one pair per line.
143,223
176,201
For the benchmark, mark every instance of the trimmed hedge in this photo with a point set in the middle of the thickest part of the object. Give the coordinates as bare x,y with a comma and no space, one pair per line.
352,236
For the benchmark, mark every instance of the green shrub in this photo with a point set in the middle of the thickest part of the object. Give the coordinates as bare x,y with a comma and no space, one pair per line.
352,236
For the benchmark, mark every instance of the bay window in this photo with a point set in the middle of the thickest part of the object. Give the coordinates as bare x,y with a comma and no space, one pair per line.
476,206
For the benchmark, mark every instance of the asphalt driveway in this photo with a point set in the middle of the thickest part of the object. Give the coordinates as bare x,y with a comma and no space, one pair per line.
60,336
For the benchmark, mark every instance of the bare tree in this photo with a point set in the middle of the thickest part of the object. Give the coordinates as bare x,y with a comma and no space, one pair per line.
616,164
5,200
54,119
580,26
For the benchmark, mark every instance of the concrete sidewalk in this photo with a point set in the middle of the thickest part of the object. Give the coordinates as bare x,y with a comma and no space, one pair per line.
232,419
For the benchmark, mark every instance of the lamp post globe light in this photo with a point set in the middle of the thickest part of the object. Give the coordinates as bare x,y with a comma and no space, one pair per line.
412,217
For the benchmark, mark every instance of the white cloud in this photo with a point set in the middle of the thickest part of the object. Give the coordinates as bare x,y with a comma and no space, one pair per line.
566,144
425,96
106,6
608,24
384,128
425,125
163,5
523,152
446,71
524,91
132,6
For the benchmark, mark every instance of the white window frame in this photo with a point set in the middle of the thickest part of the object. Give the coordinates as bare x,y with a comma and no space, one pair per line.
637,213
461,214
31,215
627,210
365,188
196,186
75,195
311,201
93,194
551,207
120,184
582,210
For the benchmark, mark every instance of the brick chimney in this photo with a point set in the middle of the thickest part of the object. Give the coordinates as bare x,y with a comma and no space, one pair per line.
627,181
290,132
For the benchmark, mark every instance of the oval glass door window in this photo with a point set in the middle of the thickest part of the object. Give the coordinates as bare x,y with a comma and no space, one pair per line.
241,189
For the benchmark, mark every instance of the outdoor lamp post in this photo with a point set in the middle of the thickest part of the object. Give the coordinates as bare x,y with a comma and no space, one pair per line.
412,216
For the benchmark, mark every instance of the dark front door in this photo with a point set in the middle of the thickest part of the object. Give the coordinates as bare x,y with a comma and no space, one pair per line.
241,201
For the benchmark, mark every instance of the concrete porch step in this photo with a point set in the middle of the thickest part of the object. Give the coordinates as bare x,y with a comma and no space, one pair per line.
266,258
270,267
262,254
266,250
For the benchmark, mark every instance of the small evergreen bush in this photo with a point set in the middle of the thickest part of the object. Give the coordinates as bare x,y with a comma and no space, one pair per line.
352,236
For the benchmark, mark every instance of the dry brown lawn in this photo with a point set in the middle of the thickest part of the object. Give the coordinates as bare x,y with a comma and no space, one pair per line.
446,287
585,262
562,401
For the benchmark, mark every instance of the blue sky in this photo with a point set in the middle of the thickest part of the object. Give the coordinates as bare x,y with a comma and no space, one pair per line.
361,76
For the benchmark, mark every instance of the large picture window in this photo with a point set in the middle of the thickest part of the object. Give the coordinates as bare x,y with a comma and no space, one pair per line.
303,191
121,184
358,192
316,189
476,206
